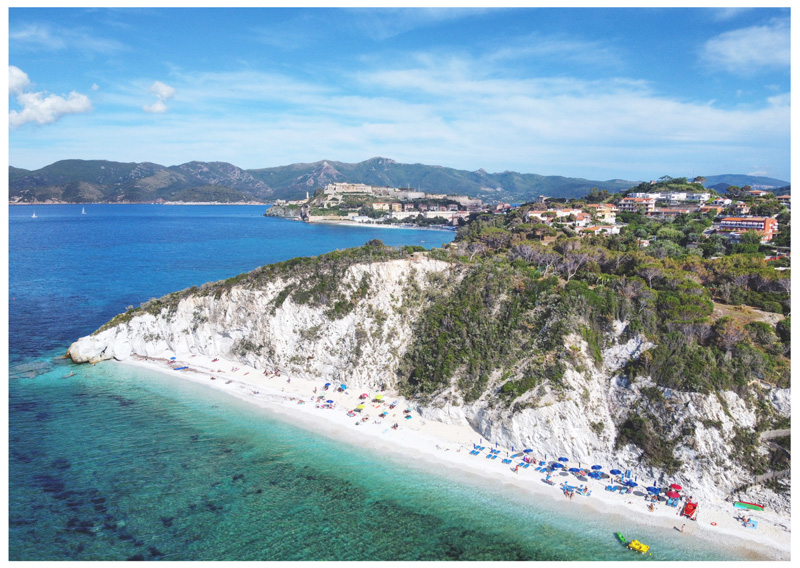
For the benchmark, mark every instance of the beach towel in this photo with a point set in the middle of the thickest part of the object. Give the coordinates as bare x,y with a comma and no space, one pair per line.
751,525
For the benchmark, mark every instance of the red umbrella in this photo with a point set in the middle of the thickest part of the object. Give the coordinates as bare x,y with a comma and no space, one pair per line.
676,487
672,494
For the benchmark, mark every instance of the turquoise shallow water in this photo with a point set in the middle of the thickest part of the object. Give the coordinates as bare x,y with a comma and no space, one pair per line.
118,462
134,464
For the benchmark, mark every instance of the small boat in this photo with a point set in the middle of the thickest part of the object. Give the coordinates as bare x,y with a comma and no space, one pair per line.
34,215
83,210
746,505
621,538
638,546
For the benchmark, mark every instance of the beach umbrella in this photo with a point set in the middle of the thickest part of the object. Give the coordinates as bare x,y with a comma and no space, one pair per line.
379,397
597,467
527,451
562,459
172,358
360,407
630,483
343,387
558,465
654,490
615,472
574,469
676,487
329,401
327,384
672,494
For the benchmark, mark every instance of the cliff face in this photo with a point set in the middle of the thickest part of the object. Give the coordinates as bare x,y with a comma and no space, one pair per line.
263,326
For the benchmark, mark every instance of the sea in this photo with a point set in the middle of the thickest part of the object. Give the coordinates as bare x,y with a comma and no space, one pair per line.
120,463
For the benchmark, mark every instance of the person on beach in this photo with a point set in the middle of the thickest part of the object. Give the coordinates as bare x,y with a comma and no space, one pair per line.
683,526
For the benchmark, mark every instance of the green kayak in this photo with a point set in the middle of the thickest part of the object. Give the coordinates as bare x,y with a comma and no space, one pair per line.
621,538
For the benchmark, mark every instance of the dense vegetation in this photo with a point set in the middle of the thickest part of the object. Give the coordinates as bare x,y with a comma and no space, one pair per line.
501,324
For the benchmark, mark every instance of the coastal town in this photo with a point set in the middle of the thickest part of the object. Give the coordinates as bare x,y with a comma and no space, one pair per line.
728,216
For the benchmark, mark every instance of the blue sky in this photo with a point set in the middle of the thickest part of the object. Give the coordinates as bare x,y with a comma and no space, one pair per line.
595,93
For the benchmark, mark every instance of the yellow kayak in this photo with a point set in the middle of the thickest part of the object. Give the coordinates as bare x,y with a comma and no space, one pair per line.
638,546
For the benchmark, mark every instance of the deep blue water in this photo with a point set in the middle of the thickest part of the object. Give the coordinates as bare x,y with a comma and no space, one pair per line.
117,463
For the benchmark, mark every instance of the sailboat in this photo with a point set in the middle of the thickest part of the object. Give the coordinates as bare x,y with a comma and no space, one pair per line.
34,215
83,210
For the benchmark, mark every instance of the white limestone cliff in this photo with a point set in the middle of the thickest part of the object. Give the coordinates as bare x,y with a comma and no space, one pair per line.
364,349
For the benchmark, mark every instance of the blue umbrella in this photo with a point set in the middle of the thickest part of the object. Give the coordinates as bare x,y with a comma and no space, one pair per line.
574,469
558,465
563,459
527,451
654,490
630,483
327,384
343,387
597,467
172,358
615,472
329,401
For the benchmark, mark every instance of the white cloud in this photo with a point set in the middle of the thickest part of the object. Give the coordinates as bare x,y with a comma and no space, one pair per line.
17,80
749,50
385,23
45,37
40,107
164,92
157,107
453,111
94,86
43,109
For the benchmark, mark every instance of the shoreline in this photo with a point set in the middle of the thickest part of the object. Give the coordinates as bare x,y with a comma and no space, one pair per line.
348,223
383,226
445,448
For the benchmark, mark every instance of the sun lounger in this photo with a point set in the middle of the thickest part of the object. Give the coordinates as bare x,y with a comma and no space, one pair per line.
525,465
611,488
494,457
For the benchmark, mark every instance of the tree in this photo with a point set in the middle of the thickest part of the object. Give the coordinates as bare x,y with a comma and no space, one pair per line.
649,272
670,234
525,252
573,261
475,248
728,333
748,243
545,259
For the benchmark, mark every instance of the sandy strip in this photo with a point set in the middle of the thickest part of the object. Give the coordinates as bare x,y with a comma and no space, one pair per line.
448,446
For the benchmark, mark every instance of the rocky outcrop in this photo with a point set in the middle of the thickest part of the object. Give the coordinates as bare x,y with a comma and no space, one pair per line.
265,327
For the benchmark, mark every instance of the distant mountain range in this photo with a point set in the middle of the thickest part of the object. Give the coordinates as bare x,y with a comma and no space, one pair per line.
721,183
87,181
